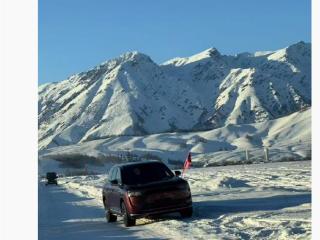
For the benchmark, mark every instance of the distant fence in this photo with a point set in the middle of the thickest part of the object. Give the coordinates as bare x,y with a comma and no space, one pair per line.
293,151
282,152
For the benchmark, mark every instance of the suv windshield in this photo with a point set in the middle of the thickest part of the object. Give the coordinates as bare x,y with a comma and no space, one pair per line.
145,173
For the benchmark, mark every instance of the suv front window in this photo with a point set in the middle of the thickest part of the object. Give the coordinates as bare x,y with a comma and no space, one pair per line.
112,175
118,176
145,173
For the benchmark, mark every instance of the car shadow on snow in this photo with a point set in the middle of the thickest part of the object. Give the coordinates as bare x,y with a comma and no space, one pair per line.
216,208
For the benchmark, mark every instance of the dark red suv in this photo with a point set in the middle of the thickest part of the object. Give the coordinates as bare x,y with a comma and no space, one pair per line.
141,189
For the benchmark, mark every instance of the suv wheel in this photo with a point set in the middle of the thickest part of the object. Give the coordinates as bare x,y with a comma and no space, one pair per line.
128,221
186,213
110,217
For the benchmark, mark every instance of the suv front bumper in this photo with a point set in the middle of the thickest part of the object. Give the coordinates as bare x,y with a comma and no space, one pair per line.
151,212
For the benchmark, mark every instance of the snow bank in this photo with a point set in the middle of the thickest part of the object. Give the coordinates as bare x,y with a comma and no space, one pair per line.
232,183
260,201
287,139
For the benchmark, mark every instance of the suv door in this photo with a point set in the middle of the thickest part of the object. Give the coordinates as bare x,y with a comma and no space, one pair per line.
108,188
117,191
114,188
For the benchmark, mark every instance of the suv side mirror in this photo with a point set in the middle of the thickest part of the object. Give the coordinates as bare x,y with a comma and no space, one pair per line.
114,182
177,173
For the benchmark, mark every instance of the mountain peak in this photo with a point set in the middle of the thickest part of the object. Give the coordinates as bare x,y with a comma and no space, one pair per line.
208,53
211,52
127,57
134,55
300,47
297,50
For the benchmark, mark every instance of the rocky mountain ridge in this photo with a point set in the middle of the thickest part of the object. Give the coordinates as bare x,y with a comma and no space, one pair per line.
132,95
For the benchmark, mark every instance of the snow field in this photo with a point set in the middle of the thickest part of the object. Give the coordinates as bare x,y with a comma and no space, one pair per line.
259,201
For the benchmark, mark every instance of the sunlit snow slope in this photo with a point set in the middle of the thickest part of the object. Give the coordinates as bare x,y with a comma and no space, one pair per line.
287,138
132,95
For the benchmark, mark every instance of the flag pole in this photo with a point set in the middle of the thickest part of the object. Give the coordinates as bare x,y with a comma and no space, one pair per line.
187,164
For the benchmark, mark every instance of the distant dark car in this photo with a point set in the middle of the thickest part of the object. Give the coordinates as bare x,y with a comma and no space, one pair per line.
51,178
141,189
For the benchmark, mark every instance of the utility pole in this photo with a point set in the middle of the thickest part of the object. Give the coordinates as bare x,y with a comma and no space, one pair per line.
247,156
266,154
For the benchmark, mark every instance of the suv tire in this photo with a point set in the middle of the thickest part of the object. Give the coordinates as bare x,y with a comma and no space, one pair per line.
128,221
110,217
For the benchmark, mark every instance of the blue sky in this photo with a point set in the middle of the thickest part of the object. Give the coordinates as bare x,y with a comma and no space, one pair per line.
75,35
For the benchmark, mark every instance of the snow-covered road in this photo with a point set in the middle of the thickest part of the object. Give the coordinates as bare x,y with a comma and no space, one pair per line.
258,201
64,215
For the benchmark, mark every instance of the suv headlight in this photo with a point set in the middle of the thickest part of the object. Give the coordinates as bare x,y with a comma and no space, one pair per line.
134,194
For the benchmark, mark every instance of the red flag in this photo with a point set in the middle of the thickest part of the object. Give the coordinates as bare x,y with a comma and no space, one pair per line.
187,163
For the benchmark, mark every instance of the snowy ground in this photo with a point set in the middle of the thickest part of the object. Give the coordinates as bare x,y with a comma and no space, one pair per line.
64,215
258,201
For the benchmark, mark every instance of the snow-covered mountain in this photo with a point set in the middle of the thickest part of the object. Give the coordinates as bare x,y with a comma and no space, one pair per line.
132,95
